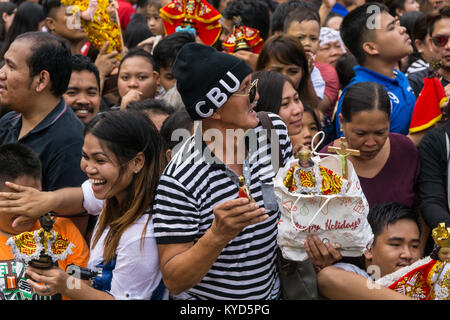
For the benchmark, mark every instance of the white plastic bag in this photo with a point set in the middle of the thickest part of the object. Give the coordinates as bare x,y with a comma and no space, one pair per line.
340,219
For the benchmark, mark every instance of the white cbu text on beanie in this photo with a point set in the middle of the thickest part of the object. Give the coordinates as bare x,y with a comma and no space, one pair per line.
206,78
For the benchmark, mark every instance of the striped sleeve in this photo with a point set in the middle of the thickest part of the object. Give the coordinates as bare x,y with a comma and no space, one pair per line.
284,141
175,217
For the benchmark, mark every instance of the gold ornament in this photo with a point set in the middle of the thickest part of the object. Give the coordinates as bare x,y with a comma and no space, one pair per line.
441,235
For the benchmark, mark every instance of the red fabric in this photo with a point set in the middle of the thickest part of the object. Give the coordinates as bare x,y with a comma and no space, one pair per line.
332,86
415,282
85,48
427,110
125,11
249,35
206,18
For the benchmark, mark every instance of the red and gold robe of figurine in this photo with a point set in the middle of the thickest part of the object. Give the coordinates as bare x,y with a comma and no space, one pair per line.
244,191
308,177
243,38
426,279
29,247
199,14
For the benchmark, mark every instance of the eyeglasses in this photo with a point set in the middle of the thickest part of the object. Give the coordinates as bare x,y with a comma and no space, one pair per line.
251,92
440,41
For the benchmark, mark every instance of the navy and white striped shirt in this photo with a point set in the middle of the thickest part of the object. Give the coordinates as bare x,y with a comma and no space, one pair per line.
193,183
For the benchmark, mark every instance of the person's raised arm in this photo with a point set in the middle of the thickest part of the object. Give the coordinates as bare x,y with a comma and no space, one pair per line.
338,284
105,62
32,202
325,9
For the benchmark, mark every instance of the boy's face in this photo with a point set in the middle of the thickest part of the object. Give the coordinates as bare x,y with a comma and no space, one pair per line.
61,23
391,41
7,219
396,247
166,78
307,32
154,21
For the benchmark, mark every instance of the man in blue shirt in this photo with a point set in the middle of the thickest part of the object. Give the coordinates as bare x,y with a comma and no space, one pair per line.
378,42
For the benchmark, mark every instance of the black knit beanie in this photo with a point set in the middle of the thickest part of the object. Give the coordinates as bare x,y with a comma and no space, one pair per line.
206,78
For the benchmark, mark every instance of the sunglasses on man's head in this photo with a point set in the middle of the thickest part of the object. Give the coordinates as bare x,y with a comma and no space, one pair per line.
251,92
440,41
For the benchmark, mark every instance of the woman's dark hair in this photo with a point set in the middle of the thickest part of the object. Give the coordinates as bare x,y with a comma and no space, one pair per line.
393,5
344,68
286,50
365,96
137,52
307,108
270,90
419,29
177,120
137,30
151,105
408,20
26,19
8,8
126,133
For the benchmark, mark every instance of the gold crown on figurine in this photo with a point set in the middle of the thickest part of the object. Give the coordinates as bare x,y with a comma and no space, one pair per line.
303,155
441,235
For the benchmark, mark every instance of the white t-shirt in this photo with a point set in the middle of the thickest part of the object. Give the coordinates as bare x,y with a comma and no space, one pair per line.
92,205
137,271
352,268
318,82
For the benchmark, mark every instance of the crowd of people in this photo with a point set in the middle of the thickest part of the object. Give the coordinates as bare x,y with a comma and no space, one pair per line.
140,158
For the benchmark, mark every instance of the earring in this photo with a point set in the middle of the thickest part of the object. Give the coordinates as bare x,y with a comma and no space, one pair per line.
135,171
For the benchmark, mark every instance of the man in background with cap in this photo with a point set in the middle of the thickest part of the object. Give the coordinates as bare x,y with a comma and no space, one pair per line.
212,244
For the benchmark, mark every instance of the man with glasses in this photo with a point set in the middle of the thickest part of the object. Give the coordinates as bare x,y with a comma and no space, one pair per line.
433,149
213,244
439,32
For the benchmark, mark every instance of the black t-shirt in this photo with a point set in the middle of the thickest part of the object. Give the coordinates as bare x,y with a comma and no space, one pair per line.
57,140
416,80
433,176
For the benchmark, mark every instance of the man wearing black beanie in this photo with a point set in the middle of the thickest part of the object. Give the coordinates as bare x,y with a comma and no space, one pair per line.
213,244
